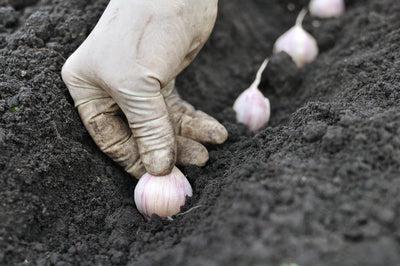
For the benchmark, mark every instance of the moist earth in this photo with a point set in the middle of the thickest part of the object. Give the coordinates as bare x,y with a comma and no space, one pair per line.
319,186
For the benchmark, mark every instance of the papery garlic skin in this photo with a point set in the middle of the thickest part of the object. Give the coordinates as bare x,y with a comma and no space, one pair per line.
162,195
251,107
327,8
298,43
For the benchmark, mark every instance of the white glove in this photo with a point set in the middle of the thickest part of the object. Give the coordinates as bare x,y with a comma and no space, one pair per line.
129,62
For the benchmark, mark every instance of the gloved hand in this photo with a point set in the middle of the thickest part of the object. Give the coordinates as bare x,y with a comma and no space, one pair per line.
129,63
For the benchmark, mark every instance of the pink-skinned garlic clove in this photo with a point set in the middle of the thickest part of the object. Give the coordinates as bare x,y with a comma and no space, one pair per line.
162,195
327,8
298,43
252,108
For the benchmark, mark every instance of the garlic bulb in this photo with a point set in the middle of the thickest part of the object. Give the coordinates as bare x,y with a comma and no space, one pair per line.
298,43
327,8
162,195
251,107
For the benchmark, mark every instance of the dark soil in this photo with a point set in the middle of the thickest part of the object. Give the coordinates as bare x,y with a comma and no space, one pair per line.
319,186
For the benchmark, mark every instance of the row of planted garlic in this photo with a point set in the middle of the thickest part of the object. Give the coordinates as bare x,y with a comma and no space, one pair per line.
164,196
251,107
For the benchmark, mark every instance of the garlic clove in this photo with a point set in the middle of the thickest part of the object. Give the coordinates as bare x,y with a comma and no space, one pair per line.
327,8
298,43
251,107
162,195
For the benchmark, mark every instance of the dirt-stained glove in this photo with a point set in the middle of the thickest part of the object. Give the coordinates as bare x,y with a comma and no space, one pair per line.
129,63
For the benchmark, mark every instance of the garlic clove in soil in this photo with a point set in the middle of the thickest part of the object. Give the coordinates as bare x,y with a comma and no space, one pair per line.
298,43
162,195
251,107
327,8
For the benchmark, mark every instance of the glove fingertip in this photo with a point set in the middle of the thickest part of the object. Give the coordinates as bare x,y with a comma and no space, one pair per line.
191,152
220,135
159,162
